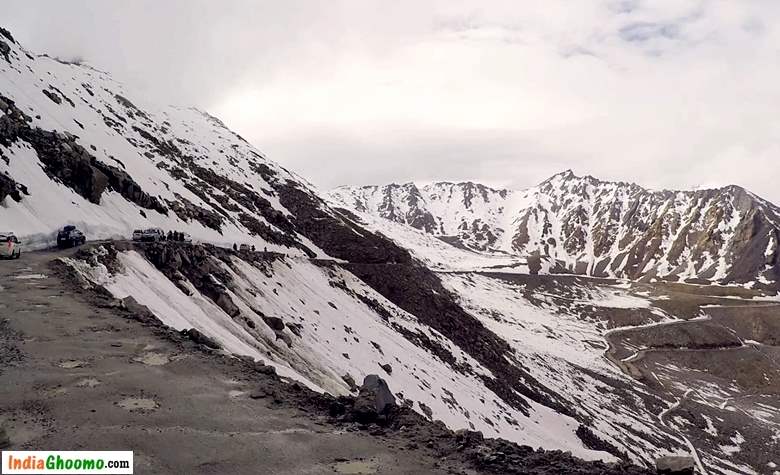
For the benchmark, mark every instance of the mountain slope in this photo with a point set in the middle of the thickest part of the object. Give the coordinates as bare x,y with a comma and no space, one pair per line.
78,148
586,226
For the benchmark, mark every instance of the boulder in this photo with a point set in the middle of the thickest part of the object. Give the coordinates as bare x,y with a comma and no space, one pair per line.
374,399
675,465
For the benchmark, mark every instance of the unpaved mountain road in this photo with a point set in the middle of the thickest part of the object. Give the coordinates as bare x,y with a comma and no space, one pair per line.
80,377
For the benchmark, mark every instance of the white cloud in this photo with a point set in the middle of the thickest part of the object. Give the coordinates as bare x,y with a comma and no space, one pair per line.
667,93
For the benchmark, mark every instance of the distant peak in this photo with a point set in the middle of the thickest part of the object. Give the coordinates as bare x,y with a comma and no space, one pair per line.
567,174
409,185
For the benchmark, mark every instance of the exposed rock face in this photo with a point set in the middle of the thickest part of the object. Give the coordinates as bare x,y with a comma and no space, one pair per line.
592,441
196,264
419,291
586,226
8,187
675,465
459,212
335,232
70,163
4,48
52,96
276,323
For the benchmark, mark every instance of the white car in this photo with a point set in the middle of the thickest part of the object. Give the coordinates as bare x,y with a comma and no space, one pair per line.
186,237
10,247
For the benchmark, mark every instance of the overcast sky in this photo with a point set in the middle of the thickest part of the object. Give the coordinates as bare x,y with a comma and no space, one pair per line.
665,93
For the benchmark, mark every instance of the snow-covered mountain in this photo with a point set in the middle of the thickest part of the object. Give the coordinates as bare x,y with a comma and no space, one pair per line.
340,294
586,226
77,147
74,149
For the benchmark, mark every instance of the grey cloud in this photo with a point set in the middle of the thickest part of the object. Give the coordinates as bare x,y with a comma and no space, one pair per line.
641,32
623,6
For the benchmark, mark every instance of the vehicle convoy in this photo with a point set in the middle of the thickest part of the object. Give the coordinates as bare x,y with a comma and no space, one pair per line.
10,247
70,236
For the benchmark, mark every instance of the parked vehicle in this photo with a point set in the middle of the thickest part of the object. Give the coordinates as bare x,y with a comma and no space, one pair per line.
70,236
153,235
138,235
10,247
243,247
185,237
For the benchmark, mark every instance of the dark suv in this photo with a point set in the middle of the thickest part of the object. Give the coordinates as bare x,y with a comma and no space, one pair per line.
69,236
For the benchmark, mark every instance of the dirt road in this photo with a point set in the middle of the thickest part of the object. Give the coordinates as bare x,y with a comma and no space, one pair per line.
79,377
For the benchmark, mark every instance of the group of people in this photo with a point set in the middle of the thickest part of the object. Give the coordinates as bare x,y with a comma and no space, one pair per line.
175,236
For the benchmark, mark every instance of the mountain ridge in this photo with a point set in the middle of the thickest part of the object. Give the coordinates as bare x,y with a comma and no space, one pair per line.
706,234
568,173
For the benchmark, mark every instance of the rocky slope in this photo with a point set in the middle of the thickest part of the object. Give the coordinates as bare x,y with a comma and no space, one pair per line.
587,226
548,361
78,148
84,364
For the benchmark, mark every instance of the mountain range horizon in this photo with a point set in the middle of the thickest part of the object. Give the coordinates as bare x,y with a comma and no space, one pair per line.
568,172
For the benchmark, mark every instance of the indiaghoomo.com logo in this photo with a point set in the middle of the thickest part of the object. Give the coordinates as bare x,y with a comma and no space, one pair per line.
67,462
